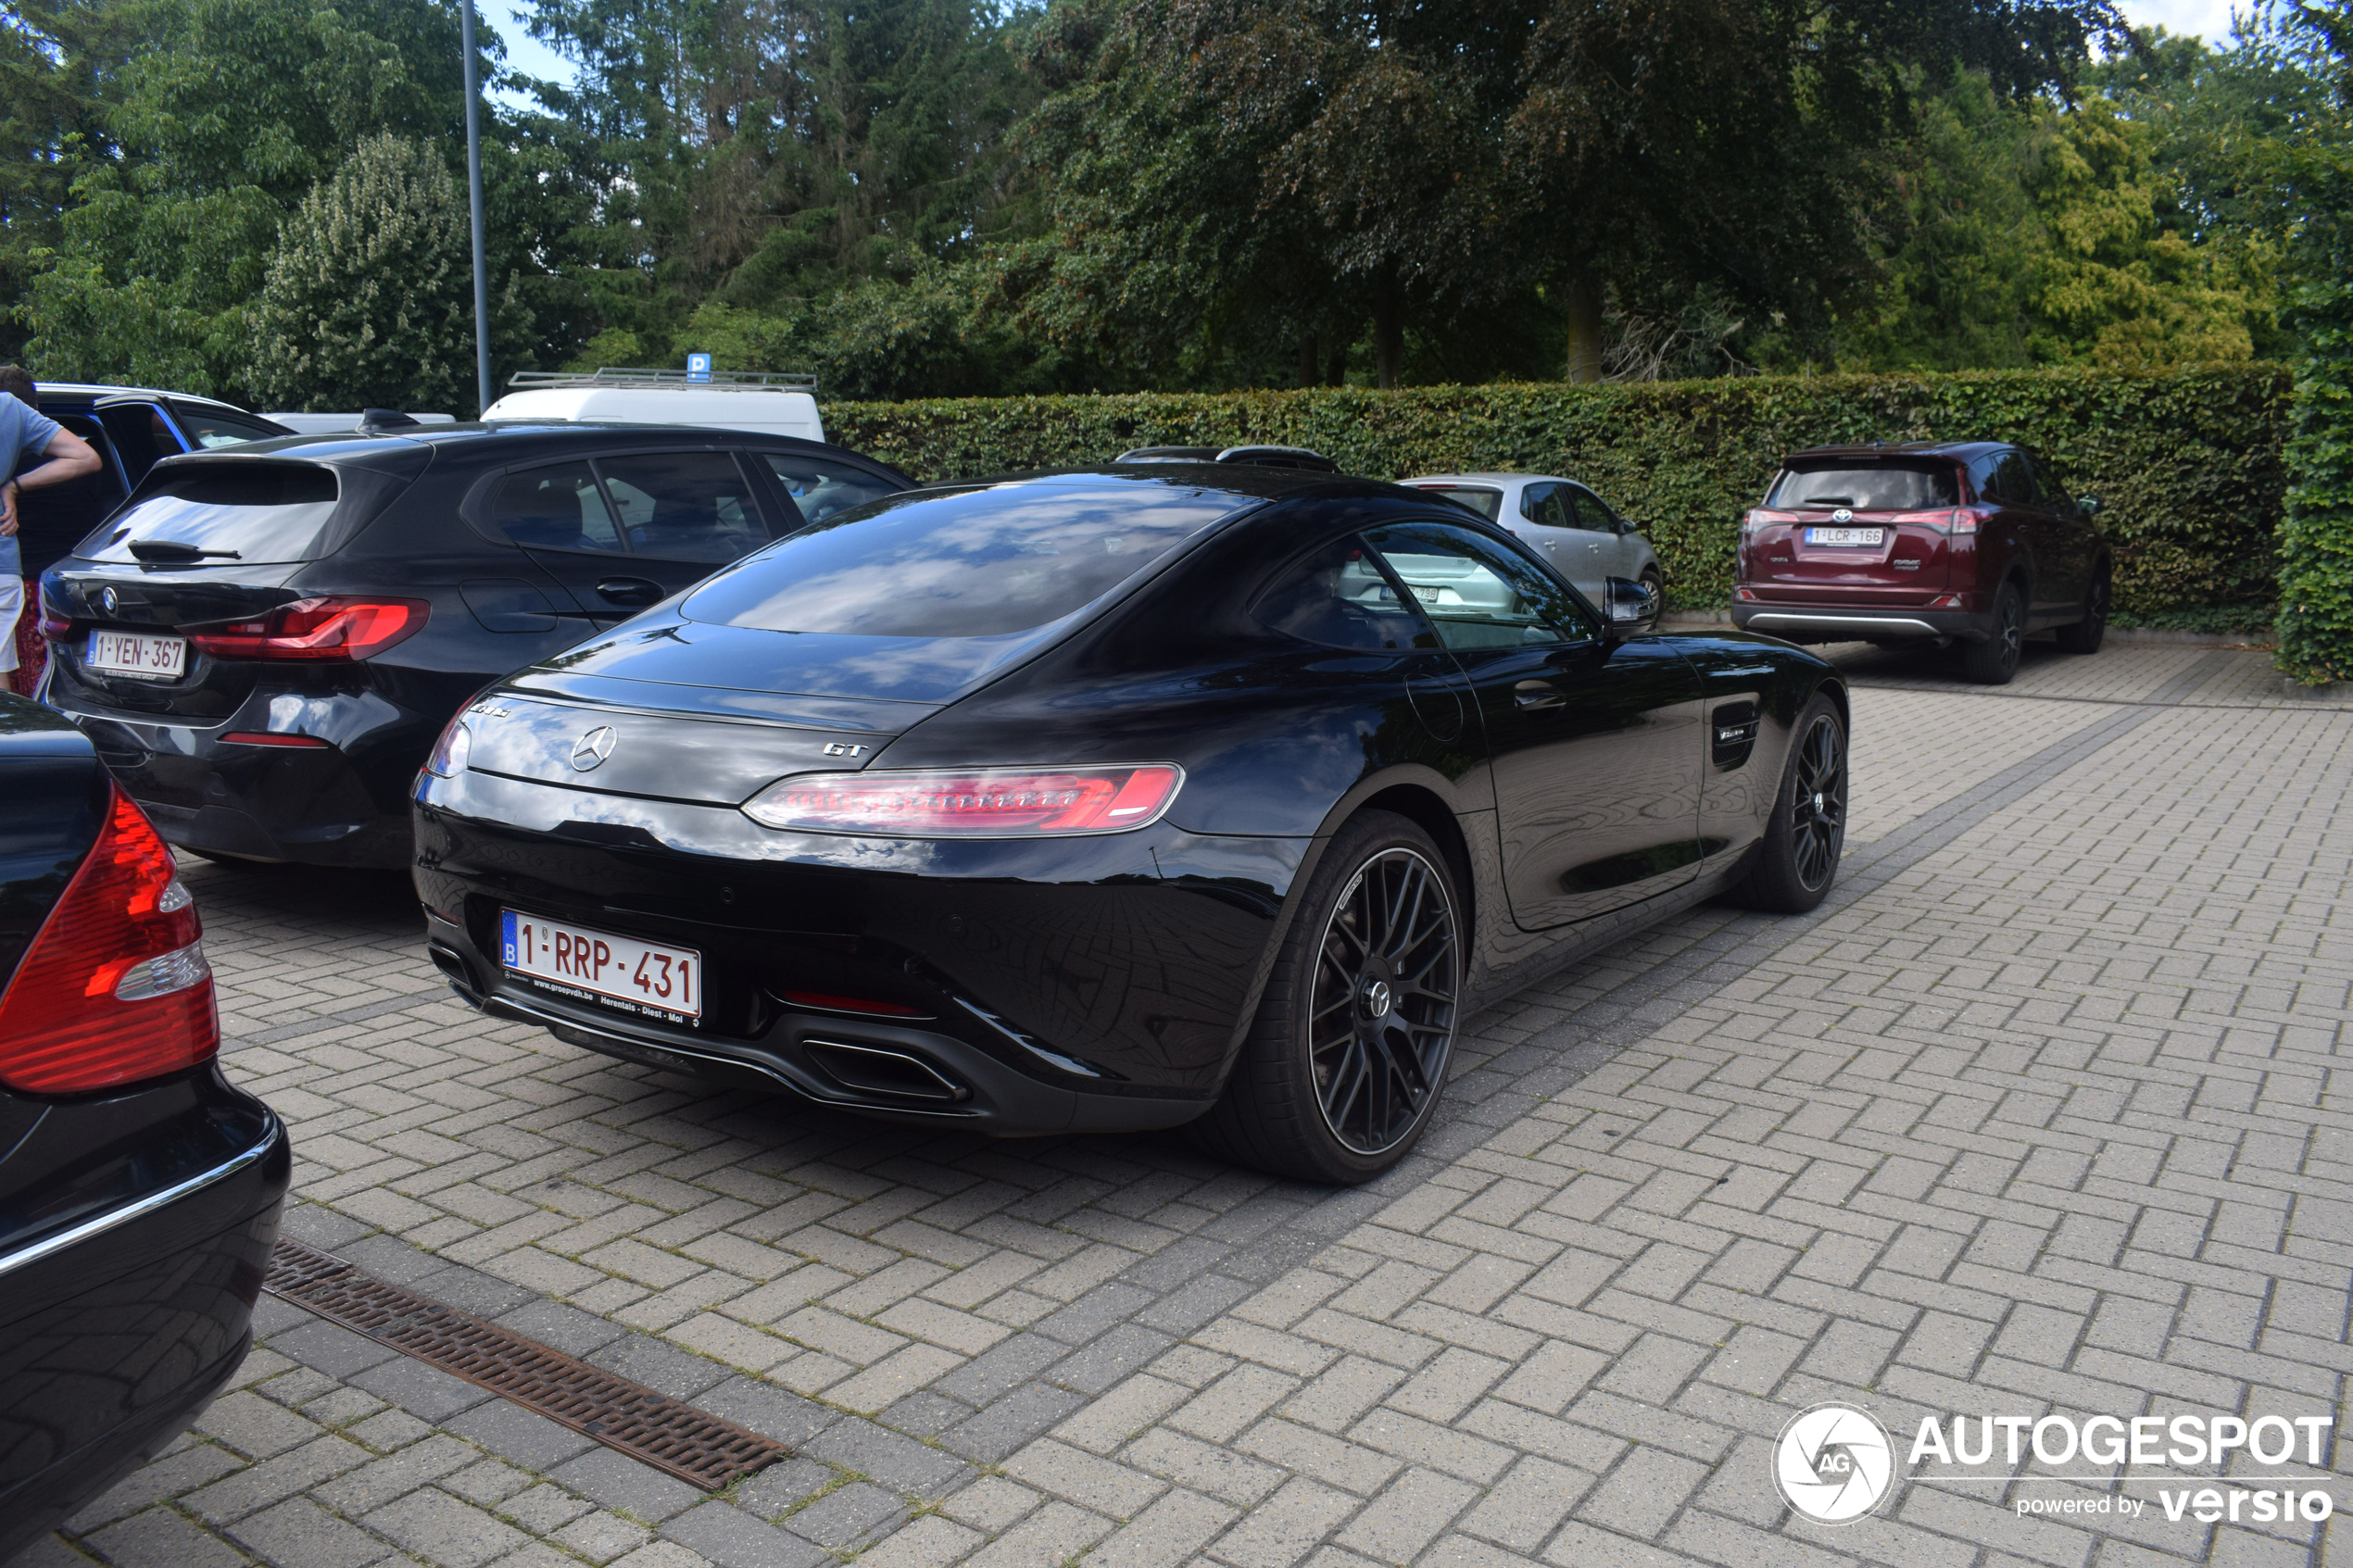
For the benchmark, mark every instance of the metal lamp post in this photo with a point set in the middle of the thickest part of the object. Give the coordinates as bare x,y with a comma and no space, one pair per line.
474,196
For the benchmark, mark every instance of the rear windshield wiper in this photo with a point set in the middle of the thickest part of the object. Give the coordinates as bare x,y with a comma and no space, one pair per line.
170,551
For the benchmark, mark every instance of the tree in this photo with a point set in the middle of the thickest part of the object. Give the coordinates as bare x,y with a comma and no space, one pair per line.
2316,536
369,294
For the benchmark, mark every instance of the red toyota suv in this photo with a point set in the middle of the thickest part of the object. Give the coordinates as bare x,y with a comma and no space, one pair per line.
1973,543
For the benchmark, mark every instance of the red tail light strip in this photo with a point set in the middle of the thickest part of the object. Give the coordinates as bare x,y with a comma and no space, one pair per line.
333,626
264,737
979,803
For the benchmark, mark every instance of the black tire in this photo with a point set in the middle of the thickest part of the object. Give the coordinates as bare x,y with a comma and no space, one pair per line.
1994,660
1347,1059
2087,634
1797,863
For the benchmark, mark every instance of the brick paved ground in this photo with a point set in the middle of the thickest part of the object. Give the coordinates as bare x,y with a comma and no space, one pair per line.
2035,1116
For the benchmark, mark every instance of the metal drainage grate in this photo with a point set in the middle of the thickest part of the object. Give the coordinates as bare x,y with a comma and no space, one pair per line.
693,1445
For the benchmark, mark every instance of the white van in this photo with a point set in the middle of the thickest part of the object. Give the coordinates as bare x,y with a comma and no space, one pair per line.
776,405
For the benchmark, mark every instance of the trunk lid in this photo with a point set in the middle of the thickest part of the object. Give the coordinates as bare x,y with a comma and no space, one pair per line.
1863,532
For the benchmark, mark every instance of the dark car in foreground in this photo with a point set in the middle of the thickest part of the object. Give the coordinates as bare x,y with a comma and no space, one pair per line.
1113,800
139,1193
131,428
263,643
1975,544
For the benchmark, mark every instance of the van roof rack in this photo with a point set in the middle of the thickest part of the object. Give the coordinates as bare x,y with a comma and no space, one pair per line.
716,380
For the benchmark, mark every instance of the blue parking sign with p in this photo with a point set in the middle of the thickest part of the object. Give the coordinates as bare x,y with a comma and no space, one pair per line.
697,367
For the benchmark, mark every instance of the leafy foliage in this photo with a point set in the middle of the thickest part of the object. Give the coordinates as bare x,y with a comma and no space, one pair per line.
2187,462
369,296
2316,535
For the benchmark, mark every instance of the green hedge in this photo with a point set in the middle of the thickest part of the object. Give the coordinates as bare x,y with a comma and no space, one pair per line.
2188,462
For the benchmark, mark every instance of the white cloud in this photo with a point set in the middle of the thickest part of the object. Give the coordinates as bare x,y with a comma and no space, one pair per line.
2209,19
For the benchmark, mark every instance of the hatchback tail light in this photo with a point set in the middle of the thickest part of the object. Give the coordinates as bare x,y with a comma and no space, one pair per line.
973,803
115,987
1758,520
334,626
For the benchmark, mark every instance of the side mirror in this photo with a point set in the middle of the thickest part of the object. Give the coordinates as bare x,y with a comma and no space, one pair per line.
2087,506
1630,607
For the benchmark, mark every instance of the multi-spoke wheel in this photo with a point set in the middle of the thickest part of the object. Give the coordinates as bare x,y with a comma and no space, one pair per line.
1380,1016
1345,1064
1994,660
1798,858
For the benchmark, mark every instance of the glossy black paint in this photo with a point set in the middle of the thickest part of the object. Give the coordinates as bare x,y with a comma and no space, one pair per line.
1114,975
413,524
110,1345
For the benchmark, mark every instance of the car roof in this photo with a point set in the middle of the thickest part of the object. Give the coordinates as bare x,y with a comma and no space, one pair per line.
1964,450
1494,478
94,392
504,441
1244,482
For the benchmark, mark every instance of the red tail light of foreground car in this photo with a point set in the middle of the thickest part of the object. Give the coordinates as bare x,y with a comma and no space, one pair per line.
981,803
115,987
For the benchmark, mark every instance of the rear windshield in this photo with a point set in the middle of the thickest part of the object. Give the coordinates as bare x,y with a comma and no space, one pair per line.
1486,503
231,511
1877,487
973,563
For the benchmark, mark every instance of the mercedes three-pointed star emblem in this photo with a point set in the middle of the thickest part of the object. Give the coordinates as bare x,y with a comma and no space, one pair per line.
593,748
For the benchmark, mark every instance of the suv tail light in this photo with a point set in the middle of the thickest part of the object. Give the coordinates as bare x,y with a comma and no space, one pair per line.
973,803
115,987
1758,520
334,626
1961,520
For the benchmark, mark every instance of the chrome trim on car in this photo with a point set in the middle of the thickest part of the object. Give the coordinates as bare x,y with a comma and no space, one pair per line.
1844,623
139,1208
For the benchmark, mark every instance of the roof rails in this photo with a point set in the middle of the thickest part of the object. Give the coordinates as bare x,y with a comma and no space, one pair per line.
711,381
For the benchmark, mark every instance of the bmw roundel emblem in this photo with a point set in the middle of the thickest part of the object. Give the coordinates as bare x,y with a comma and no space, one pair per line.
110,601
1843,515
593,748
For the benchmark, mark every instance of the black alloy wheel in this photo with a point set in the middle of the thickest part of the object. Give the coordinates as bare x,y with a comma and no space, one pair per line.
1797,861
1345,1064
2087,634
1817,806
1994,660
1381,1015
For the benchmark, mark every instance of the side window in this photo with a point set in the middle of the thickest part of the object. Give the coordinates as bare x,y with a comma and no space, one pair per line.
1477,593
684,505
1591,515
555,508
1544,505
2049,489
2007,479
820,489
1337,597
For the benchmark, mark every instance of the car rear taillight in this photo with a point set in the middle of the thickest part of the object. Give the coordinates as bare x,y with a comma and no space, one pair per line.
447,759
115,988
1758,520
977,803
333,626
1959,520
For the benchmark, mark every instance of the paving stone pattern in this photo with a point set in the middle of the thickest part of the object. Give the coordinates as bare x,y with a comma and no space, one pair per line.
2035,1115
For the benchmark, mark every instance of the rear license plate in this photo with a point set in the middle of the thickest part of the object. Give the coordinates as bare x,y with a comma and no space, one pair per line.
1845,536
131,653
642,977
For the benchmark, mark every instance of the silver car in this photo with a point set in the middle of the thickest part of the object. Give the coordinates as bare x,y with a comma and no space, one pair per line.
1569,524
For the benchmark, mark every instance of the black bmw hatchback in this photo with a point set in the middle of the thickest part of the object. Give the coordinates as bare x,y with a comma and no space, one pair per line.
264,641
1113,800
138,1192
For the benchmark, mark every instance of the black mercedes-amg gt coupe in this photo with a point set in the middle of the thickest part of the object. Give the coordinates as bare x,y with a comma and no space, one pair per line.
1114,799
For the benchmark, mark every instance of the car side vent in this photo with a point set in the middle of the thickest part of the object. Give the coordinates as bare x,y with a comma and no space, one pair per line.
1733,734
871,1070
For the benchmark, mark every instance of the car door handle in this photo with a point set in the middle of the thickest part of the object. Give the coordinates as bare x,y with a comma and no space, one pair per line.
628,591
1538,693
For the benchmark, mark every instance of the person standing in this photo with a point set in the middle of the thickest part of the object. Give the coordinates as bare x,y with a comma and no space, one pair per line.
25,434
